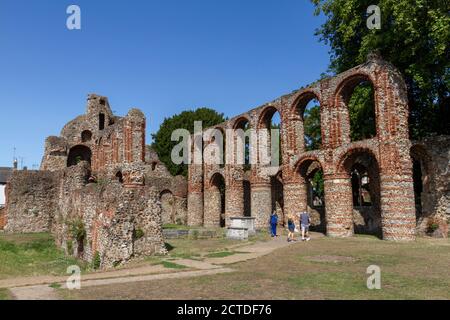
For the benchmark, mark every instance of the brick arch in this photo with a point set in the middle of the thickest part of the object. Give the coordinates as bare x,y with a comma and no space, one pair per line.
307,160
77,153
213,178
241,119
342,163
268,112
342,95
302,99
235,125
346,85
296,136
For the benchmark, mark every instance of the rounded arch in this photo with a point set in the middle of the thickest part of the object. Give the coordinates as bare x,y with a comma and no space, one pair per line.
361,123
217,199
216,178
349,155
273,155
305,162
211,146
301,101
242,142
310,169
86,136
241,122
77,154
266,115
346,86
306,118
361,165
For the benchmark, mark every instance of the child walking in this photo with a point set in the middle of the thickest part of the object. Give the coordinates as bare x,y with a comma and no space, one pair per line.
291,229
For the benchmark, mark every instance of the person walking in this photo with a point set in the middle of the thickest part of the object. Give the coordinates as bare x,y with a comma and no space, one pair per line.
273,224
291,229
305,222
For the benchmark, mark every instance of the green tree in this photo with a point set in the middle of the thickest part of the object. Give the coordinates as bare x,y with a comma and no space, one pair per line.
362,112
163,144
414,36
311,123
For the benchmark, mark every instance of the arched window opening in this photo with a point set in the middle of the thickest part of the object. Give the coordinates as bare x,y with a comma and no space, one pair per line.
312,173
86,136
359,97
271,122
363,170
119,176
308,129
77,154
242,144
218,198
312,125
101,121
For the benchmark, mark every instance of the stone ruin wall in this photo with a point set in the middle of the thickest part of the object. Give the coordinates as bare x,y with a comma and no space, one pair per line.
388,154
433,154
31,201
114,191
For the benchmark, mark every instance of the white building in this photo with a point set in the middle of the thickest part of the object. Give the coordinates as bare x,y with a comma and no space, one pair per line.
5,173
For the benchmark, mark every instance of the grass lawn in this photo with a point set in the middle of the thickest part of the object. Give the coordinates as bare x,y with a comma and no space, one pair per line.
4,294
32,255
323,268
176,226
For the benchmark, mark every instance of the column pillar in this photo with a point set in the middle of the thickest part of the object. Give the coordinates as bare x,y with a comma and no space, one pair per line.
338,205
261,204
195,196
212,207
398,214
295,197
234,201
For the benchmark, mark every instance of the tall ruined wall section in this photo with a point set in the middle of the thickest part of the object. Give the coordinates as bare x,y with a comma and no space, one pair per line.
112,144
107,139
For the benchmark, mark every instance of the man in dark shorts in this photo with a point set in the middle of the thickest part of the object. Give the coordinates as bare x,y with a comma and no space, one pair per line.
305,222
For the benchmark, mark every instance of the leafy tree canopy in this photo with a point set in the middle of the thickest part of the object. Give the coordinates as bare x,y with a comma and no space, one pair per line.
414,36
163,144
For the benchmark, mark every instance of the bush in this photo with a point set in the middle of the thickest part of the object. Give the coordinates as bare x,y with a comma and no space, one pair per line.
77,229
138,234
194,234
163,143
97,261
69,247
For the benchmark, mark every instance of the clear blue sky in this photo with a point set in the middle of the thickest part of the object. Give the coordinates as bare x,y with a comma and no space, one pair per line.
161,56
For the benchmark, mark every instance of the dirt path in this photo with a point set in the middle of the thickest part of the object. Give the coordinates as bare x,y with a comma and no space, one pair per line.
38,288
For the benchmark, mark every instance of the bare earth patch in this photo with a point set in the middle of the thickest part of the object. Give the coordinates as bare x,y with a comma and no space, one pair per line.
330,259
